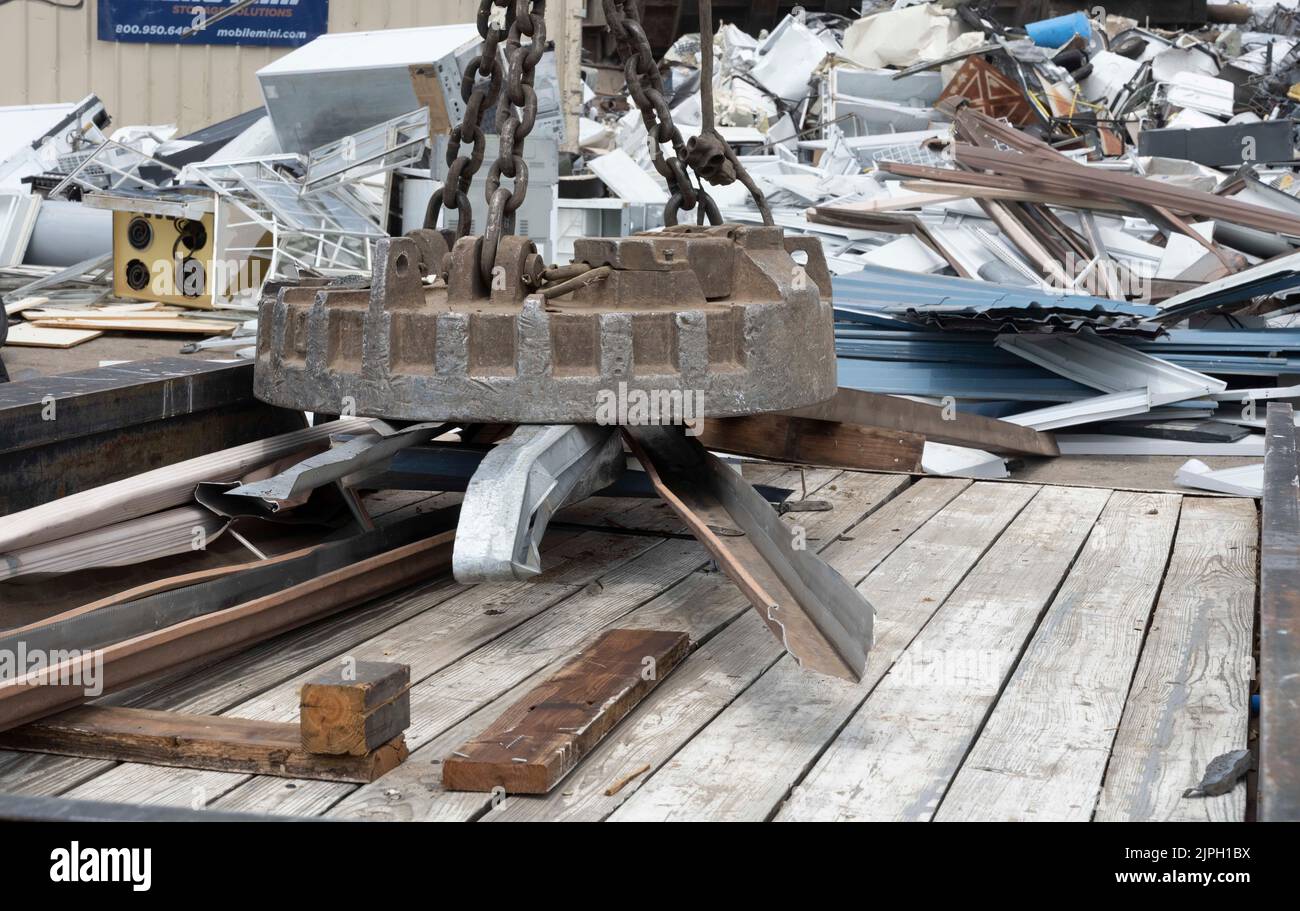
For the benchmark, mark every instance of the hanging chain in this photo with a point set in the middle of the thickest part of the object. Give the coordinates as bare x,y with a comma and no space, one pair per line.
480,87
516,114
646,87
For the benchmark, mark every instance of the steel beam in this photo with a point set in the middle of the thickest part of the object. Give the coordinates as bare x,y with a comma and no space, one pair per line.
519,485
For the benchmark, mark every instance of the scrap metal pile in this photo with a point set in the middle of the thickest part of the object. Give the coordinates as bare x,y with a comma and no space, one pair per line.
1074,224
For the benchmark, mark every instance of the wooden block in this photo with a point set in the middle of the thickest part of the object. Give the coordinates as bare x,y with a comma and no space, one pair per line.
30,336
209,742
355,708
540,738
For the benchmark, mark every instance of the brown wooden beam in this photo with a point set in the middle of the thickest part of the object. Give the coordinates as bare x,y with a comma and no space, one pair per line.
806,441
539,739
853,406
210,742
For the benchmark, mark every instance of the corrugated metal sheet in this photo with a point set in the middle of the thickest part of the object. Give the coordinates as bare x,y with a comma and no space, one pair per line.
53,55
898,291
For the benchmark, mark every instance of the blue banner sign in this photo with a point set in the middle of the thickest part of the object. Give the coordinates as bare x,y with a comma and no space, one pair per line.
285,23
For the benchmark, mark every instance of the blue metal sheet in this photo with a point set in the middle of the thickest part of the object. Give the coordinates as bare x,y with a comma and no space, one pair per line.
1026,383
894,290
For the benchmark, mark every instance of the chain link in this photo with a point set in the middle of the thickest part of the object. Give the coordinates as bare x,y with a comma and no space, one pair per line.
646,86
516,114
480,88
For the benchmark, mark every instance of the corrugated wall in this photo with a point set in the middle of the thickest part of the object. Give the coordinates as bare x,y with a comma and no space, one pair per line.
51,55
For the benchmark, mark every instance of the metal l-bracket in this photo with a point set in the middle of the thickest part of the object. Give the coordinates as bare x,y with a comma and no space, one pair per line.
335,464
518,487
821,619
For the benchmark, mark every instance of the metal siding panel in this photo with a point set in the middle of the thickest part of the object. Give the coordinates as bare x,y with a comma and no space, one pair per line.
55,55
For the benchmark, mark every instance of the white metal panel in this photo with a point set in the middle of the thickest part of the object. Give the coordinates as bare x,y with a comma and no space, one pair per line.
53,55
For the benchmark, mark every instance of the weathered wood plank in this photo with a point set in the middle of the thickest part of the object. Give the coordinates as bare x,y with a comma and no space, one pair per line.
894,759
746,760
540,738
931,421
1190,700
700,605
1043,750
812,442
1279,623
210,742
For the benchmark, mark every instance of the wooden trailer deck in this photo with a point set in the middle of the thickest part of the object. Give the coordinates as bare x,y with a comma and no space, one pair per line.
1042,653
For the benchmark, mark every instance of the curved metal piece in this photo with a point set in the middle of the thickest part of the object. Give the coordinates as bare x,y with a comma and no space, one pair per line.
518,487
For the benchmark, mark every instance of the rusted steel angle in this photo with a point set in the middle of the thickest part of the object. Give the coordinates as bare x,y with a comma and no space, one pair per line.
41,692
820,618
1066,174
1279,623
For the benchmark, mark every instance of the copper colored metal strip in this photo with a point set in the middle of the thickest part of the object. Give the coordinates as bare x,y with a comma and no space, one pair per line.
125,663
823,622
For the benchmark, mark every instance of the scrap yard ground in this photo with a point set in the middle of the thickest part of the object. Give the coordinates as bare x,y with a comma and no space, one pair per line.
1042,652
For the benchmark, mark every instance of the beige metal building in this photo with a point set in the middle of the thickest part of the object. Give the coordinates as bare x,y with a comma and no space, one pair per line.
51,54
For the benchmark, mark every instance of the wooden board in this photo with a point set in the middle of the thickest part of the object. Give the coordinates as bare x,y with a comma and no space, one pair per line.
1043,750
195,741
1190,700
1279,623
27,303
543,736
894,760
811,442
175,326
744,763
28,335
939,425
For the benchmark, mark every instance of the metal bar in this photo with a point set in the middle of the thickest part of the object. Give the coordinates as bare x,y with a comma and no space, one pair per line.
53,688
120,621
821,620
853,406
449,466
336,464
1279,623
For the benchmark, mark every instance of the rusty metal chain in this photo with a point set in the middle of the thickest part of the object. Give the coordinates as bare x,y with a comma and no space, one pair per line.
480,88
516,114
646,86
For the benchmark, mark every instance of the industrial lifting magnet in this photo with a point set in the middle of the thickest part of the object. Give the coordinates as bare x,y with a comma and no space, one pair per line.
629,344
